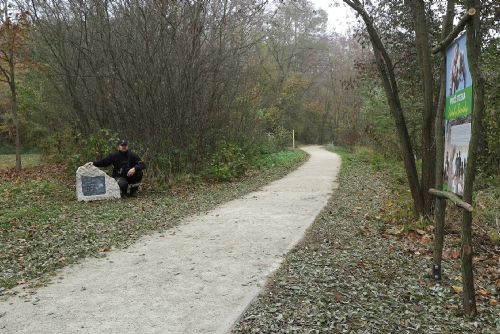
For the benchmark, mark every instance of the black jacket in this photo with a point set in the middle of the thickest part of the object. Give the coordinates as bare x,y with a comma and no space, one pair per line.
121,162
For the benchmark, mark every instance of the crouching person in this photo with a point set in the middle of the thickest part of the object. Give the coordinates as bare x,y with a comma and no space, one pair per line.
127,168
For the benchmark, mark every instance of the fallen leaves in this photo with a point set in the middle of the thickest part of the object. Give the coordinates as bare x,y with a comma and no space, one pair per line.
483,293
105,249
426,239
31,173
395,230
452,254
421,232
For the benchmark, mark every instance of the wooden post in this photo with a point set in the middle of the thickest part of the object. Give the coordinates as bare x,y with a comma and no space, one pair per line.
473,51
293,139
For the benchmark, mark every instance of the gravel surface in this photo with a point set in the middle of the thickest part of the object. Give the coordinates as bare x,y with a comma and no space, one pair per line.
351,275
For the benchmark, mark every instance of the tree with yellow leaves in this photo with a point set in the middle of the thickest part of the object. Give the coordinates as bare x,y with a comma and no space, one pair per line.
13,38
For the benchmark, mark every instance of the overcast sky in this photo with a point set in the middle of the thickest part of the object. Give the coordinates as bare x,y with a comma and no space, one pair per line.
338,17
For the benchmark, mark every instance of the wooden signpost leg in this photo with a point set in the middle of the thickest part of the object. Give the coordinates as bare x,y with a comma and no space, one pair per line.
473,50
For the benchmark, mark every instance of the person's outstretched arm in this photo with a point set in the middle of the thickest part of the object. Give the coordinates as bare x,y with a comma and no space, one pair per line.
101,163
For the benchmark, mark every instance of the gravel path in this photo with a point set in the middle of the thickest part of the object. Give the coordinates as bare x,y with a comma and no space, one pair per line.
195,278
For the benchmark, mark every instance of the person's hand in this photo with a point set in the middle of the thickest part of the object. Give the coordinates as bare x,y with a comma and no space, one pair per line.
89,164
131,172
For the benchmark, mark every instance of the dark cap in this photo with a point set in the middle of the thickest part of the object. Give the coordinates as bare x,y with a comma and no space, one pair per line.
123,142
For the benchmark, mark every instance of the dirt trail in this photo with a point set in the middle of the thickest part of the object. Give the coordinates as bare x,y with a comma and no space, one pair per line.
195,278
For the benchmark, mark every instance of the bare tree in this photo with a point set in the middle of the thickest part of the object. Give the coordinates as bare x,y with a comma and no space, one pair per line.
386,70
423,50
13,35
175,66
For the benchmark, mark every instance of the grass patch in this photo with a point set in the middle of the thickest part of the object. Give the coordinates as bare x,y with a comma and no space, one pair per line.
486,217
398,203
345,153
9,160
43,228
278,160
24,150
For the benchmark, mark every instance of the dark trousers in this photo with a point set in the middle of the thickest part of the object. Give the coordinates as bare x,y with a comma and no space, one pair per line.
133,181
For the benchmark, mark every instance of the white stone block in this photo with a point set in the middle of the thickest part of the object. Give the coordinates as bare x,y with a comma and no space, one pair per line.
93,184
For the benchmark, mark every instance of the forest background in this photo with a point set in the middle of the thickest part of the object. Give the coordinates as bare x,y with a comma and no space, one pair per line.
201,87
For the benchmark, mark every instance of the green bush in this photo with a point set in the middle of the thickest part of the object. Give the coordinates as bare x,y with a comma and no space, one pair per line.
287,157
59,145
377,123
100,143
71,148
227,162
275,141
281,138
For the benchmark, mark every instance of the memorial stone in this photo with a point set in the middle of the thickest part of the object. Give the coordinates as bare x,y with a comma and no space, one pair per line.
93,184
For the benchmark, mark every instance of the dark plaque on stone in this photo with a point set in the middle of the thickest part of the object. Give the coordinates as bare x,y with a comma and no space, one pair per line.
93,185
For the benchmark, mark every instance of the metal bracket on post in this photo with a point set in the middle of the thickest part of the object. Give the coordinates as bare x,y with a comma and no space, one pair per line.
436,272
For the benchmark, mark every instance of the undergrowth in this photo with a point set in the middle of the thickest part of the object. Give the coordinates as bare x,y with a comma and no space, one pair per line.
398,205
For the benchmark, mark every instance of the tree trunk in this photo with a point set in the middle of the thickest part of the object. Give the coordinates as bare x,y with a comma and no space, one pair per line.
386,70
474,40
423,49
10,76
439,137
15,116
16,126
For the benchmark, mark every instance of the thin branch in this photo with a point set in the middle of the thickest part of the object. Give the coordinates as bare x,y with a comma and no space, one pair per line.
452,197
455,32
5,74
